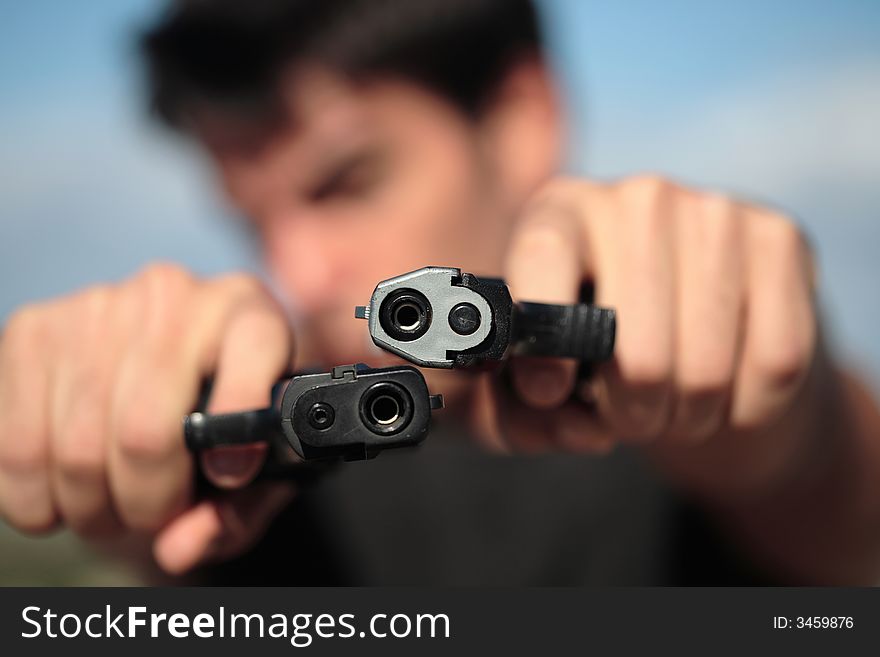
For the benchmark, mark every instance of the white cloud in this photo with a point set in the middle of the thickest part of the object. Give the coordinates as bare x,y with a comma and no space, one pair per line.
797,136
789,136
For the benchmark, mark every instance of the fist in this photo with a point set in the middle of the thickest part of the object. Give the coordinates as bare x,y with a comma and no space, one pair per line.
93,388
715,314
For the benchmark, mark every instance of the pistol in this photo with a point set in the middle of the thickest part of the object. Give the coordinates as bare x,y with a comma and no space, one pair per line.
350,413
441,317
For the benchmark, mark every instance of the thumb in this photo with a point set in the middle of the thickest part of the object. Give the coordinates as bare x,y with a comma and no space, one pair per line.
233,467
546,263
255,349
219,528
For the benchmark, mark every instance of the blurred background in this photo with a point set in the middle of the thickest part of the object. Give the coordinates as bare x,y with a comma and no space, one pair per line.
774,101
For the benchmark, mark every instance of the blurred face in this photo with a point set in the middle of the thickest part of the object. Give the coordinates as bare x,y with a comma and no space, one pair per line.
370,181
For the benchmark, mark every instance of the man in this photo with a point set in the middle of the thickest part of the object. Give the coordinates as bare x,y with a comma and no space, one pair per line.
363,139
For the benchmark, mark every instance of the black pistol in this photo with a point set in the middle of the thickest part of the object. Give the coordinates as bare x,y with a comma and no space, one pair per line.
351,413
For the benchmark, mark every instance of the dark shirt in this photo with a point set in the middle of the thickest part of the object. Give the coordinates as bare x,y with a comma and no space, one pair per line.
450,514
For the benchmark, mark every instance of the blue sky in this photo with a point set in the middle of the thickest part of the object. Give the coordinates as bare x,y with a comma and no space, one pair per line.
776,100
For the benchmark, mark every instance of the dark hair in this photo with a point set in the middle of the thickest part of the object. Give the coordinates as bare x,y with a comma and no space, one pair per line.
226,56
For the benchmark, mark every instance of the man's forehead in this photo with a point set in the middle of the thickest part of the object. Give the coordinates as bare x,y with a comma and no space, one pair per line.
324,107
315,110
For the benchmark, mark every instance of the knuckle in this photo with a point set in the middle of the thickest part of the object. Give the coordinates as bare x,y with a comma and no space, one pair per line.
719,207
150,513
698,414
243,285
143,437
541,240
162,282
543,385
33,523
25,327
78,454
784,233
779,235
87,316
703,390
648,188
784,365
163,295
721,228
644,417
705,375
561,189
720,213
24,454
638,408
646,370
647,204
260,325
165,274
95,301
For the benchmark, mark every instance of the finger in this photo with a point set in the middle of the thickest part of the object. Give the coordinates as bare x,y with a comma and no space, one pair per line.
80,419
25,493
636,276
256,350
219,528
545,264
780,338
709,311
150,472
570,427
485,413
579,429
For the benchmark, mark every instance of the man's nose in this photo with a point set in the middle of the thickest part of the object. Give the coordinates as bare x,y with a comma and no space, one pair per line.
304,263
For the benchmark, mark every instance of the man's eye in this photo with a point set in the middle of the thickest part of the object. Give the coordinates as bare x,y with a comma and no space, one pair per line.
351,181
